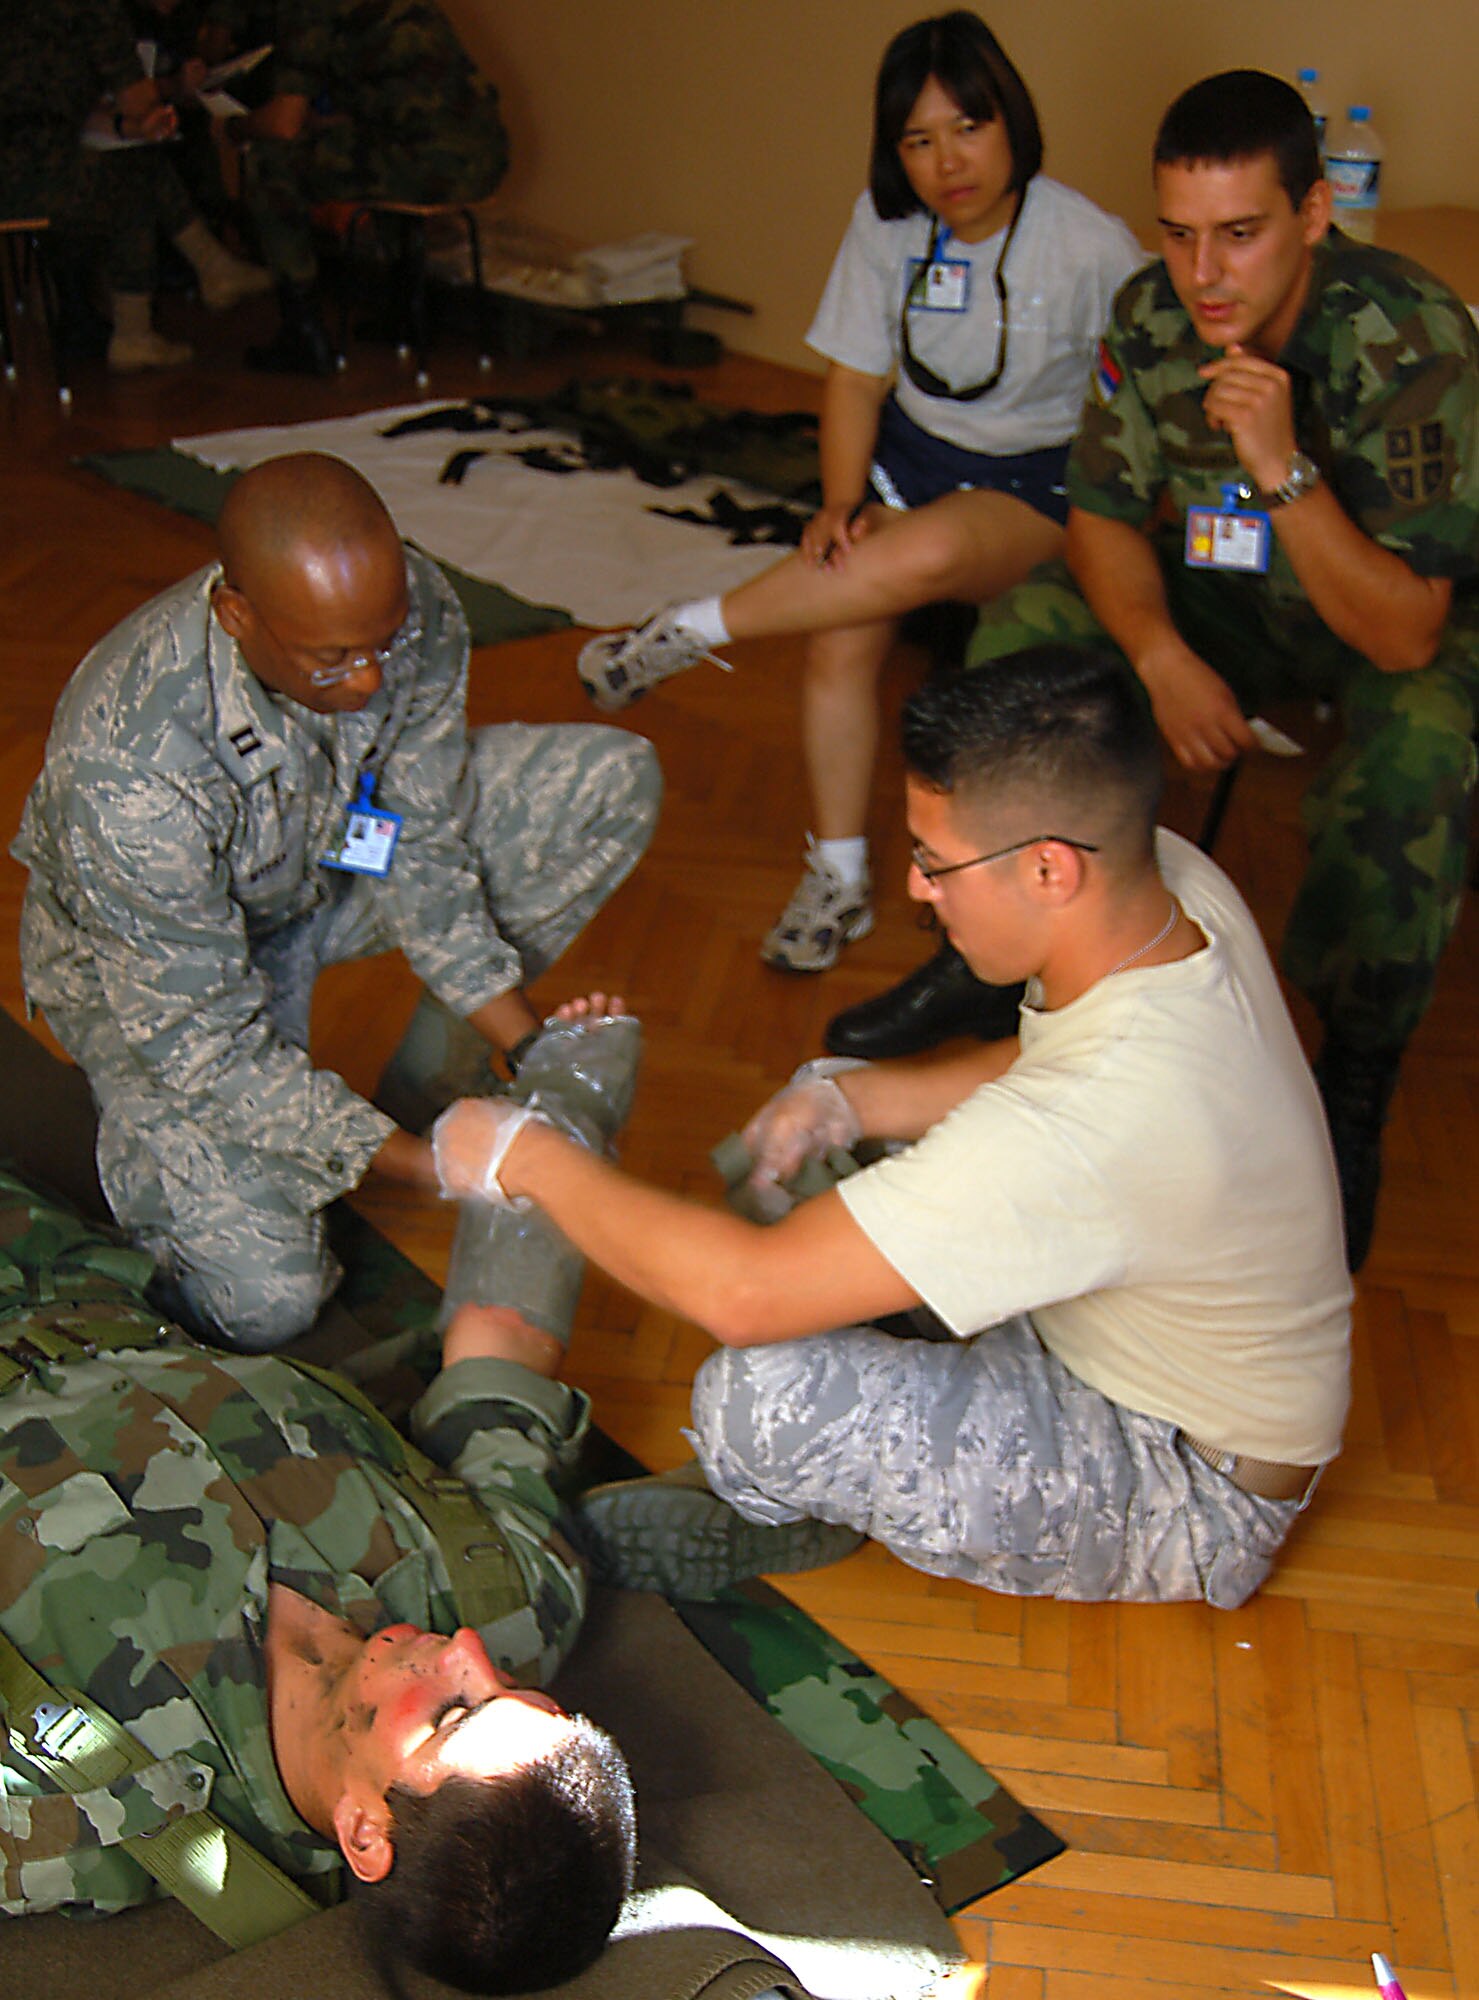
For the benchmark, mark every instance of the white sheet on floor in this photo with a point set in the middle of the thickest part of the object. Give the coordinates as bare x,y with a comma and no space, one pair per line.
585,541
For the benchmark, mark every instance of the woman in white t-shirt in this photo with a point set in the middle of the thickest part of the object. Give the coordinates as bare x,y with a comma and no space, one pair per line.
959,325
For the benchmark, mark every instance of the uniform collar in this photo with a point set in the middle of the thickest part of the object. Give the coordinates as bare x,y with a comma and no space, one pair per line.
248,728
1305,352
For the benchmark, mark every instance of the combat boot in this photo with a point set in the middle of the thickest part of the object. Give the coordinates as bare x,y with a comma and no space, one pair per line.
672,1534
301,345
224,280
1356,1088
135,345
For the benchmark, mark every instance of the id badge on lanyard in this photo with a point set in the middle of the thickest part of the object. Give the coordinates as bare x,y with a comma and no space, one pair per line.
1228,537
370,834
938,283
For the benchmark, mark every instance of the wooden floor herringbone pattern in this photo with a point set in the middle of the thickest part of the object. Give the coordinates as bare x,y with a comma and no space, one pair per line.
1253,1801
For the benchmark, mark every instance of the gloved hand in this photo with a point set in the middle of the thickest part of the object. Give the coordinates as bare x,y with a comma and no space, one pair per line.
470,1142
804,1121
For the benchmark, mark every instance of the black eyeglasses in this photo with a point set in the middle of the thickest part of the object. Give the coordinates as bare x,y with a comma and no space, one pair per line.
933,872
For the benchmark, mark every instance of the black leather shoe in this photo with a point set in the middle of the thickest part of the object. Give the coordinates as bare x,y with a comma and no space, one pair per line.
1356,1088
301,345
939,1000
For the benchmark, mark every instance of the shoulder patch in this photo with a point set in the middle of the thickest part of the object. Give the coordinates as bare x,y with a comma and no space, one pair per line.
1108,374
1416,460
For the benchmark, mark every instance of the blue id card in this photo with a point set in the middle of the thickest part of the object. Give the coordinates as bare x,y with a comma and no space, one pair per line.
943,285
370,834
1227,538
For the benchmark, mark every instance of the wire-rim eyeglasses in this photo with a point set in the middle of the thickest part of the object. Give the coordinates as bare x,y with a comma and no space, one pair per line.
935,871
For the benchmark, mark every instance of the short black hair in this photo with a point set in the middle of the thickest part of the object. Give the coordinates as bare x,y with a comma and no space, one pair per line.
967,61
1241,114
1067,728
510,1883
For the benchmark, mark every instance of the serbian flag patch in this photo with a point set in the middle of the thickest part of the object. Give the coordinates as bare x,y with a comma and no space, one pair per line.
1108,374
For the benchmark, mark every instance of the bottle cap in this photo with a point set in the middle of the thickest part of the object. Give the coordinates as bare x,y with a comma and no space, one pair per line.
1359,113
1309,76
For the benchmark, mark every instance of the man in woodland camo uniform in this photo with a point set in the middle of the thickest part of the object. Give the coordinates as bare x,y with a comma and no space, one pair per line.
373,100
222,1553
69,63
187,843
1339,385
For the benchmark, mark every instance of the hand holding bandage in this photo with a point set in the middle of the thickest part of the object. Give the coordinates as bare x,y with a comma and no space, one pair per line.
805,1121
471,1141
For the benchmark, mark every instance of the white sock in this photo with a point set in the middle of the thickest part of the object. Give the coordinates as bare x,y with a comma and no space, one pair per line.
847,859
704,618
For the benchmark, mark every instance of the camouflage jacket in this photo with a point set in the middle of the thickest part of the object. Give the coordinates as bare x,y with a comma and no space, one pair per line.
58,59
1385,368
393,64
147,1500
180,820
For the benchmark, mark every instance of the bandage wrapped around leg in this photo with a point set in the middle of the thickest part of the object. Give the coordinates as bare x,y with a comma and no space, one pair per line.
582,1075
579,1076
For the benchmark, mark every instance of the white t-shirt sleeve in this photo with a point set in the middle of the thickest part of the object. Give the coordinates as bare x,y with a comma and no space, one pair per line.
856,323
994,1212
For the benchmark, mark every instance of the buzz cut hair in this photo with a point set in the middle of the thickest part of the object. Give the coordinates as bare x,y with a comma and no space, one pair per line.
1065,731
1238,115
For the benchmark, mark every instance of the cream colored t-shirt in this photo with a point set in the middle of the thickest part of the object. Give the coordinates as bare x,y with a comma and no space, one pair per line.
1152,1182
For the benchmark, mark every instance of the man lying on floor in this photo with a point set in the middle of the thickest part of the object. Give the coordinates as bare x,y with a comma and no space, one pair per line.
226,1556
1128,1218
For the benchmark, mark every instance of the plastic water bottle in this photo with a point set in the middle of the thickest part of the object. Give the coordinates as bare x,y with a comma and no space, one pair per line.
1314,97
1353,168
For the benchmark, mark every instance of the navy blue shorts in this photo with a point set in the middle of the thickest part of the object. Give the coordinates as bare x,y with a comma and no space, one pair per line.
911,467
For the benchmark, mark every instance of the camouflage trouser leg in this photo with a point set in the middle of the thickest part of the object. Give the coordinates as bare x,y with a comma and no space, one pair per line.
564,813
985,1460
244,1257
440,159
1388,825
116,204
1387,818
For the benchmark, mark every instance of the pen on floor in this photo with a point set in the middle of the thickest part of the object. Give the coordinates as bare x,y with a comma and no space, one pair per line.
1386,1979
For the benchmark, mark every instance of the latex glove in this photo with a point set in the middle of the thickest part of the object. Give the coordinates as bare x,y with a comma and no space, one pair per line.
470,1142
802,1122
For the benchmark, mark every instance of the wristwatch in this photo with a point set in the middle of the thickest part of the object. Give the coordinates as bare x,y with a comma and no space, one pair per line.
1302,477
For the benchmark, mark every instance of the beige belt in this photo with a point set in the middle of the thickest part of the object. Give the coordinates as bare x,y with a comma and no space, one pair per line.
1259,1476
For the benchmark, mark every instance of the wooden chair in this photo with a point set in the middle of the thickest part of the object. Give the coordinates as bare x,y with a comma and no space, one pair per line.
22,266
412,219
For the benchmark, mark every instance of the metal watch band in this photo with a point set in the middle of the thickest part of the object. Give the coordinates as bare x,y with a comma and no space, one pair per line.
1302,477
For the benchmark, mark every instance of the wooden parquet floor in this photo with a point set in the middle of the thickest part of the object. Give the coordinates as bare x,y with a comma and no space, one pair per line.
1253,1801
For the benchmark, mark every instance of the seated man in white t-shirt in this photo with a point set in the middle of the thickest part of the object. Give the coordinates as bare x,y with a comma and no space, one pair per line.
1127,1218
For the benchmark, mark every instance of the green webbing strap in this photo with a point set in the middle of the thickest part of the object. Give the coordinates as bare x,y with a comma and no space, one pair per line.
485,1579
247,1900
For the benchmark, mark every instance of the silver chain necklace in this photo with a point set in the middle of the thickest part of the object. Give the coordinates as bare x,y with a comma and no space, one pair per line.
1160,937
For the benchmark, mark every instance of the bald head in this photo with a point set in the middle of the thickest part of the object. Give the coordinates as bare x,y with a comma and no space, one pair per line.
306,520
314,576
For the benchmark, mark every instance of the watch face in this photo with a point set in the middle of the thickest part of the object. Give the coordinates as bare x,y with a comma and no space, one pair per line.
1303,474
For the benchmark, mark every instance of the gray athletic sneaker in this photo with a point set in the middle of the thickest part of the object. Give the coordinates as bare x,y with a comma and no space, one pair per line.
619,666
823,915
671,1534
